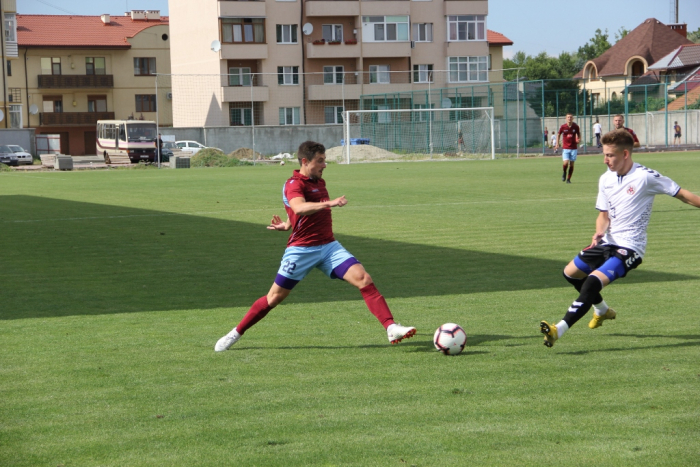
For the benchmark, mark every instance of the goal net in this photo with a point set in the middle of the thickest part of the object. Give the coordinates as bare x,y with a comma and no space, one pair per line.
416,134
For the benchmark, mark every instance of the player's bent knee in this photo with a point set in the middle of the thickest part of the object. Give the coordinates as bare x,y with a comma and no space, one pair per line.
590,290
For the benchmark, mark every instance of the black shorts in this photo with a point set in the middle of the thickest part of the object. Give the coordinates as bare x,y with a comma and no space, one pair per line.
611,260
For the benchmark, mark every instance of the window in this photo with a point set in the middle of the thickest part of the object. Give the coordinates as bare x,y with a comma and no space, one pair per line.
595,99
287,75
465,69
15,95
286,33
466,28
334,114
332,32
379,74
15,116
383,117
239,76
9,68
97,103
422,73
332,75
51,65
423,116
289,116
243,30
423,32
385,28
10,27
144,66
240,117
53,104
145,102
96,65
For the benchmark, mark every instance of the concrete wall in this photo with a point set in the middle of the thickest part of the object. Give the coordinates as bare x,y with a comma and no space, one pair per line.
22,137
267,140
653,128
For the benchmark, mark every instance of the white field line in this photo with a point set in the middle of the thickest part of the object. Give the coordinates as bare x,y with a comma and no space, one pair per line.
369,206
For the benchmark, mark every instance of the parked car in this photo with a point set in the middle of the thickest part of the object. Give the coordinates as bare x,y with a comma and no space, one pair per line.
192,147
8,157
169,150
23,157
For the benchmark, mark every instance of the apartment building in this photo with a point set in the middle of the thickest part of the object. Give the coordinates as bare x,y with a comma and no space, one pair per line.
8,35
75,70
292,62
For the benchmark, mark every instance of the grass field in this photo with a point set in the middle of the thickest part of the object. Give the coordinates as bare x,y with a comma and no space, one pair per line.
115,285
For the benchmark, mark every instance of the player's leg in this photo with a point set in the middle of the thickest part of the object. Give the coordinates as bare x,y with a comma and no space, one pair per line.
572,160
295,265
341,264
578,273
565,156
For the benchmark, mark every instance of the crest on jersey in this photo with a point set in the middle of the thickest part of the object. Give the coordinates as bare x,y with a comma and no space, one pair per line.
622,251
630,190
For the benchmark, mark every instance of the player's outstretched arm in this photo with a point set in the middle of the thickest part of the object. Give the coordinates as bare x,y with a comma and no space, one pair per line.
688,197
277,224
302,207
601,226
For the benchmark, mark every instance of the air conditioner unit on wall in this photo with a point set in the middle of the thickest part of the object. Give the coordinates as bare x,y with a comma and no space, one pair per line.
169,95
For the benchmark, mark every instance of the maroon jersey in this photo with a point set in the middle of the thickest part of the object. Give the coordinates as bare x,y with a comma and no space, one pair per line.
313,230
570,133
634,135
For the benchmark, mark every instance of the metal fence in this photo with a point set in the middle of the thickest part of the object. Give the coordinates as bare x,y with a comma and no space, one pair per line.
266,106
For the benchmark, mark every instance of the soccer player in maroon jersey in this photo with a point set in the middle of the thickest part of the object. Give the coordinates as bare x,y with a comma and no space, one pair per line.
312,245
570,135
619,123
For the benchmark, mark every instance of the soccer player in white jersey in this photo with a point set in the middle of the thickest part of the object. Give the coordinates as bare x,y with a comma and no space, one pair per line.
625,198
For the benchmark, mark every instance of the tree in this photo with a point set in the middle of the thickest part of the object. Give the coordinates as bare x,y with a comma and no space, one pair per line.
595,47
621,33
517,61
694,36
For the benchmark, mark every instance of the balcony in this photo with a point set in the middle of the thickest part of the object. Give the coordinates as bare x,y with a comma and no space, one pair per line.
342,50
73,118
246,93
76,81
244,8
474,7
386,49
320,92
333,8
243,51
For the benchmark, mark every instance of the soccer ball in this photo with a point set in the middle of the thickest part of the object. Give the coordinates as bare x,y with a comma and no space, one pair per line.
450,339
281,162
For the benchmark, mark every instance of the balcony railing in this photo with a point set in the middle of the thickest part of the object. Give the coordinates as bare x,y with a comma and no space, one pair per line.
76,81
73,118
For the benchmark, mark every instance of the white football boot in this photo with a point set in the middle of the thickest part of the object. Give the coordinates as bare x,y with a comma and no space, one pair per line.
227,341
397,333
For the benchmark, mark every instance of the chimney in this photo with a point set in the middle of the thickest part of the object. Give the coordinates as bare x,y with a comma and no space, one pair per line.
680,28
153,15
105,18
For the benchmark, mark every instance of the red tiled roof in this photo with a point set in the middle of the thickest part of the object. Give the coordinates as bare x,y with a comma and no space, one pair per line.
651,40
496,38
79,31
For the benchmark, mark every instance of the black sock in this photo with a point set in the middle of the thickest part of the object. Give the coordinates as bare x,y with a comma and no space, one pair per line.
590,291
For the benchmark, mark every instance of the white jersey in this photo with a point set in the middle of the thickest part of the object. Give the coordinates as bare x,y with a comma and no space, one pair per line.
597,128
628,201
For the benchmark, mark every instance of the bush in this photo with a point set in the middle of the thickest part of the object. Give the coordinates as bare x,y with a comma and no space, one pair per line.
214,158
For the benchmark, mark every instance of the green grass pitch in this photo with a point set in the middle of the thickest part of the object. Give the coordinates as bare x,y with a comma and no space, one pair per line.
115,285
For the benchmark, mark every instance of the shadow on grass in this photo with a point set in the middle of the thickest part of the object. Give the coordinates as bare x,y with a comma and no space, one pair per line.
693,341
65,258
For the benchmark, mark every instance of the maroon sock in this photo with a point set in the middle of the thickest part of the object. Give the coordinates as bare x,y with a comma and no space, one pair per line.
257,312
571,170
565,166
377,305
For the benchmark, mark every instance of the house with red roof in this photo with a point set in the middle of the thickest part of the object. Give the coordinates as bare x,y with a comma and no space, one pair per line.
73,70
627,62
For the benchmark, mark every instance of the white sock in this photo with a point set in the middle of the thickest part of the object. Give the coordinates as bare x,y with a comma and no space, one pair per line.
600,308
562,327
234,333
389,329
